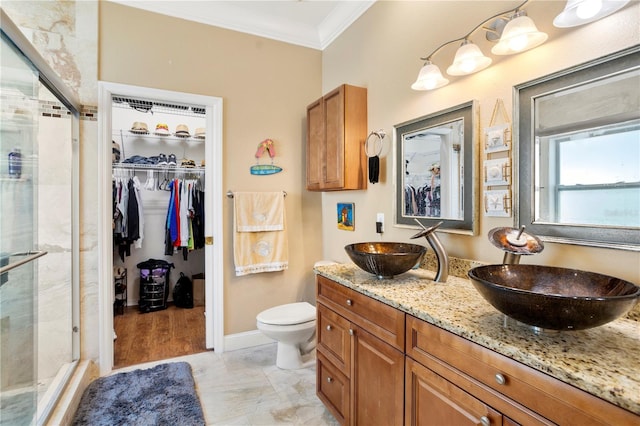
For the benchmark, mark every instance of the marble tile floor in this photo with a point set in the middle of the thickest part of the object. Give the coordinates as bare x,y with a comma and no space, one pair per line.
244,387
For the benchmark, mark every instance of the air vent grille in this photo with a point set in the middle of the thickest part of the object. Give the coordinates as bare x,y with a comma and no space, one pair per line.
151,106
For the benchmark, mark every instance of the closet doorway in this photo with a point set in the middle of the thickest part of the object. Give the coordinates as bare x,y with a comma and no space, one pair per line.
193,133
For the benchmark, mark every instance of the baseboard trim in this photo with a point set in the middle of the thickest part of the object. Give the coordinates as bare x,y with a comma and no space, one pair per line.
247,339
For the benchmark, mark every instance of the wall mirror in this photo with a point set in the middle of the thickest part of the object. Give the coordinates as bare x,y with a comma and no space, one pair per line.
578,150
434,170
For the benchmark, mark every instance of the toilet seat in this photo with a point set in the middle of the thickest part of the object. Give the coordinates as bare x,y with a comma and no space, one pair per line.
289,314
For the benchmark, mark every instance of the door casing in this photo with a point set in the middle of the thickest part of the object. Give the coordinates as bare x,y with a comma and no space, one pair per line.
214,273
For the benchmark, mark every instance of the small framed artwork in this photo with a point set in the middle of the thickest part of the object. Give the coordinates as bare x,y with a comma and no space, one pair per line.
497,138
345,216
497,172
497,203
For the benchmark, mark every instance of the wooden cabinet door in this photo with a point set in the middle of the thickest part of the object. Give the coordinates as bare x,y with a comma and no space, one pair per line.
336,133
377,381
433,400
315,144
333,173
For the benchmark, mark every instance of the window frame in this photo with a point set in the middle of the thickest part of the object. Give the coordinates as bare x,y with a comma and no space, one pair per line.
625,238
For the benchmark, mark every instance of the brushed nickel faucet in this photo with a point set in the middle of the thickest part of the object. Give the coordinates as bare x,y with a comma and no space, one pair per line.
441,255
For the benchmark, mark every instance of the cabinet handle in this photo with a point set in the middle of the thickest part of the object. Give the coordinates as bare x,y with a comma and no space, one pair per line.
349,302
500,379
329,327
351,332
485,421
329,380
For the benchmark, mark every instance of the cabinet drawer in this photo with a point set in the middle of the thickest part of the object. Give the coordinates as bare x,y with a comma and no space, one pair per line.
334,340
381,320
495,375
332,387
432,400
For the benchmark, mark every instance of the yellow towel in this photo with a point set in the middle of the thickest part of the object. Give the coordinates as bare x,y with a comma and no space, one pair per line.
259,211
259,251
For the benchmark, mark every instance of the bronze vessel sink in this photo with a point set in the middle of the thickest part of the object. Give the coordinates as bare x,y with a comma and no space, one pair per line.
385,259
554,298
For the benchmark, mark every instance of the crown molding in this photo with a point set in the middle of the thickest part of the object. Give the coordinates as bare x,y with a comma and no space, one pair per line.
310,24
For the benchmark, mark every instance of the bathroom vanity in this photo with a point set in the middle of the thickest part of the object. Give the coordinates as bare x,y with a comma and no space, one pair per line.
412,351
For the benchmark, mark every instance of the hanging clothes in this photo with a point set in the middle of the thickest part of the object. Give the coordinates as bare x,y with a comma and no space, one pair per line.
185,217
137,187
171,224
128,216
198,218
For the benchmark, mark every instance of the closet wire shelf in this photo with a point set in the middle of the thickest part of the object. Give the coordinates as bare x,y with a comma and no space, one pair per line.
172,138
155,167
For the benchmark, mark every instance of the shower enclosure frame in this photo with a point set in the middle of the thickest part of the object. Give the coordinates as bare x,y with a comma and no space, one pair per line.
50,79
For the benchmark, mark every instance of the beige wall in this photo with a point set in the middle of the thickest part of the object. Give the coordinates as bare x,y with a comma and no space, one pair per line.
381,51
265,86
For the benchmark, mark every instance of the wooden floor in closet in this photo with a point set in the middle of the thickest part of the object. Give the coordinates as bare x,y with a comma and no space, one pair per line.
153,336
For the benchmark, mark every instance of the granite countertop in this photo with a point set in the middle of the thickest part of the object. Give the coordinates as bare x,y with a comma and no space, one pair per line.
603,361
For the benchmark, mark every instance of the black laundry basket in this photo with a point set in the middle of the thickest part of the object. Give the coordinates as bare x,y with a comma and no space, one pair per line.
154,284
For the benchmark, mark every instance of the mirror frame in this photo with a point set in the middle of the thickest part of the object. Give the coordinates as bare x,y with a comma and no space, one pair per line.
627,238
468,225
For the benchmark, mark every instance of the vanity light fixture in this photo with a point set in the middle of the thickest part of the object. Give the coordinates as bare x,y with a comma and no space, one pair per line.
429,78
579,12
468,59
519,34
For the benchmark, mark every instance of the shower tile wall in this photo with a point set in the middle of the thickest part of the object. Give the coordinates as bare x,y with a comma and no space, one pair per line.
54,236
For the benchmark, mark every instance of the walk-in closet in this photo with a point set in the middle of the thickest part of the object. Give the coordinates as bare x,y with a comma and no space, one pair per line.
158,190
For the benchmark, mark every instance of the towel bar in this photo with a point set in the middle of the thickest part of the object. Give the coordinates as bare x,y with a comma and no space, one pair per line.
230,194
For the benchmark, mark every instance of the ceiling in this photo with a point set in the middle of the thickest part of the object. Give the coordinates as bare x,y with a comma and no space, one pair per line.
309,23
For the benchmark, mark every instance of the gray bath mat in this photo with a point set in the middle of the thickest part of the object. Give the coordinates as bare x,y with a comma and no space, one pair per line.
162,395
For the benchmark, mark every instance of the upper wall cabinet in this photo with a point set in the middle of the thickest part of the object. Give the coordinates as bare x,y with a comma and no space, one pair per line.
336,133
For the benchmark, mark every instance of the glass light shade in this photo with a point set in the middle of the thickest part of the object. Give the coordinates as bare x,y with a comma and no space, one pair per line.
429,78
519,34
468,59
579,12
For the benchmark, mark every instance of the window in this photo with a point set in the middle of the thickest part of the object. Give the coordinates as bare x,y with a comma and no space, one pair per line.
578,153
593,177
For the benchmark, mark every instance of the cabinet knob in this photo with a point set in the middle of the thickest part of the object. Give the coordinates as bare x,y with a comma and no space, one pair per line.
500,379
351,332
484,420
329,380
349,302
329,327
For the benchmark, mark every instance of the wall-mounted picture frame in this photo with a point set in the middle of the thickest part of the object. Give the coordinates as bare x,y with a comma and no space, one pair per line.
497,138
497,172
497,203
345,216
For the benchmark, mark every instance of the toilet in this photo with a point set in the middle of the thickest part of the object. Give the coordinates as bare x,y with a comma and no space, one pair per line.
293,326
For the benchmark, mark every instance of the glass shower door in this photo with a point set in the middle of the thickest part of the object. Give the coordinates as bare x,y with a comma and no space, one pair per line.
19,87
